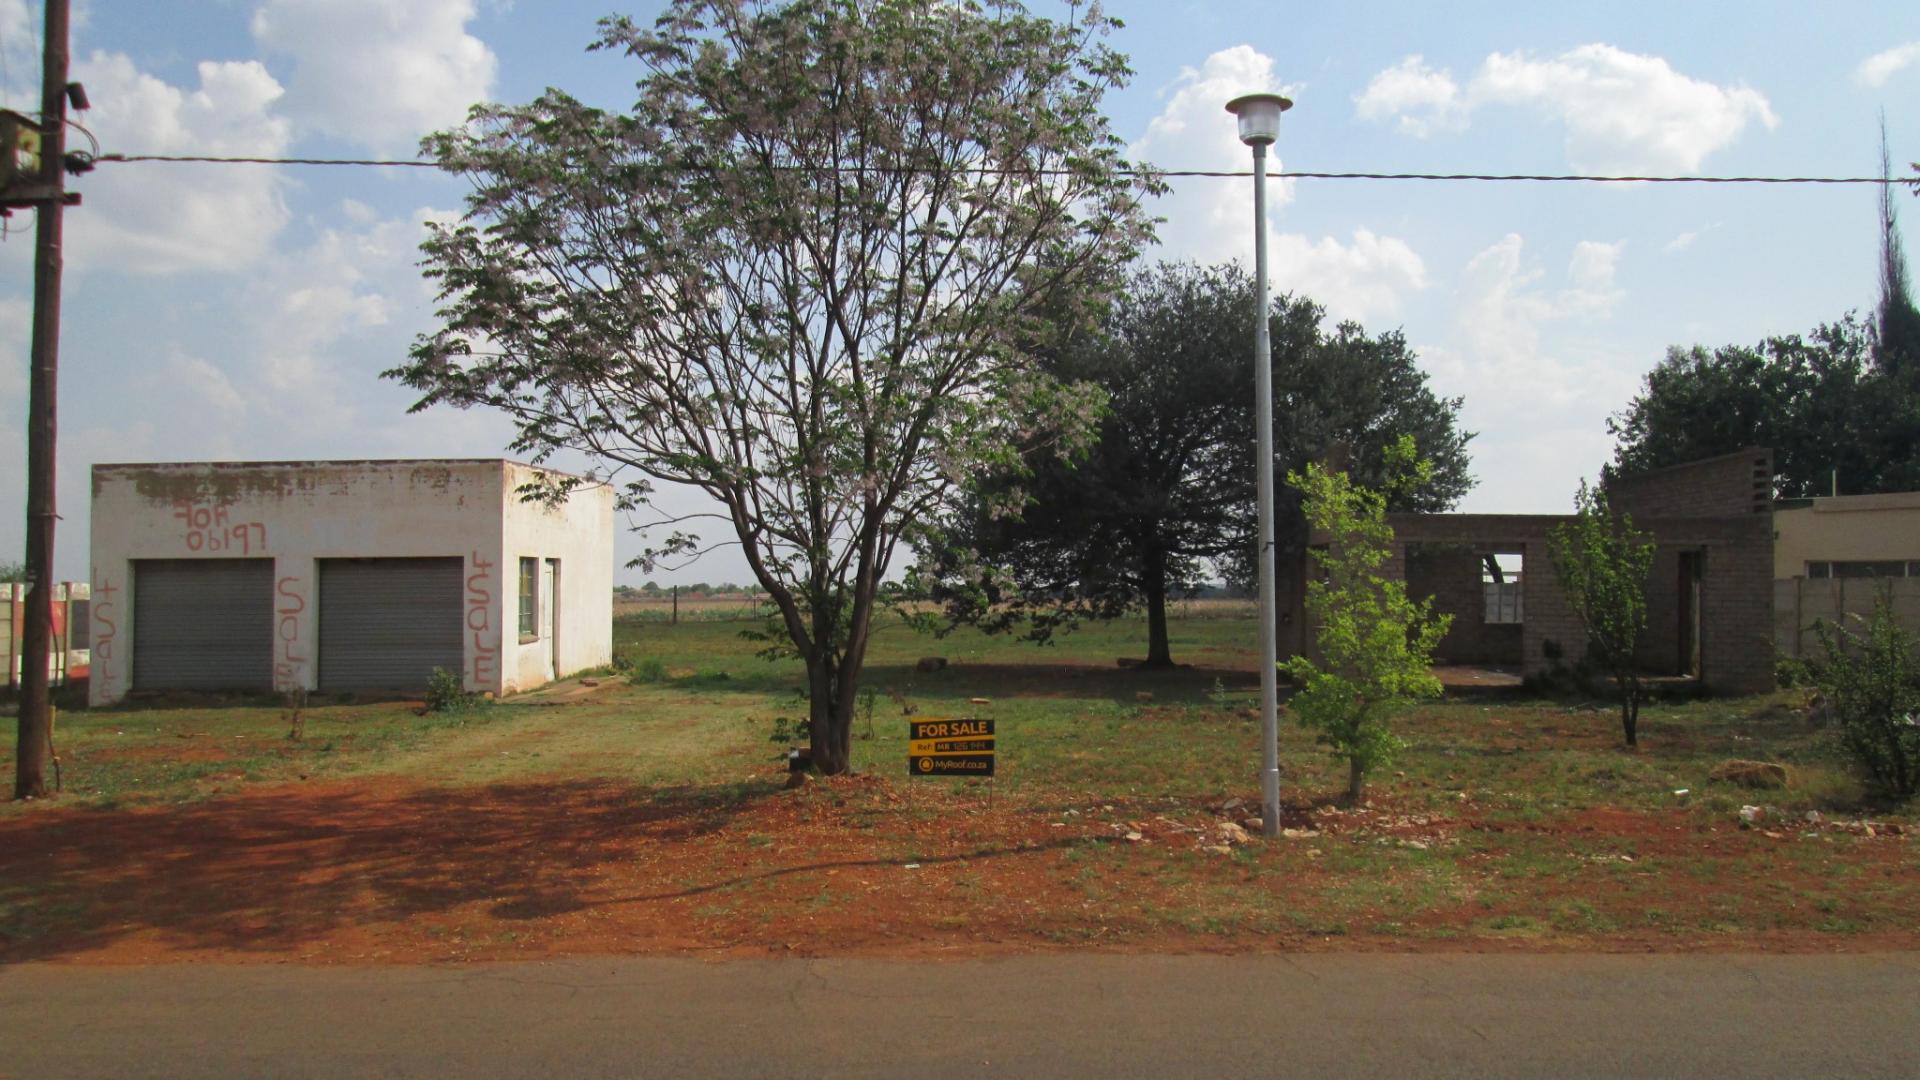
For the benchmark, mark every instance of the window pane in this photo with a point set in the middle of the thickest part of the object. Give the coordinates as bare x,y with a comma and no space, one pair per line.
1866,569
529,584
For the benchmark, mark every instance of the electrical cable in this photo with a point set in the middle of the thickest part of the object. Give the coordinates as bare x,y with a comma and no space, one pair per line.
132,159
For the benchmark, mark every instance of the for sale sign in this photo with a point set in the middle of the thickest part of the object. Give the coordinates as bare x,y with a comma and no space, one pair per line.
950,747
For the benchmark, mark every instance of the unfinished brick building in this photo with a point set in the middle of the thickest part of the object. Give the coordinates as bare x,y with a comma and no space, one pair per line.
1709,596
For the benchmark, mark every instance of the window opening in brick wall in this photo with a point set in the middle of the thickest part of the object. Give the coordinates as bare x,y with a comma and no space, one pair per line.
529,599
1501,576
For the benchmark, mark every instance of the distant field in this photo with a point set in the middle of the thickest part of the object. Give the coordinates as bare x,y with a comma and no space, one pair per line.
741,606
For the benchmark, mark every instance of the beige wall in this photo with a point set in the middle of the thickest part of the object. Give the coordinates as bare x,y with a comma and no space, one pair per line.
1849,527
299,512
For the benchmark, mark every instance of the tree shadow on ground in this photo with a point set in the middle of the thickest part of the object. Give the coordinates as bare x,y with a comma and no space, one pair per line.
274,870
1006,681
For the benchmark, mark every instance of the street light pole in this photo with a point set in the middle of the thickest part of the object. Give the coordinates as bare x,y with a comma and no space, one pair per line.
1259,126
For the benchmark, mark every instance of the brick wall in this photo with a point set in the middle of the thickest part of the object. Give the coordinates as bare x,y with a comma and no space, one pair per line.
1726,486
1451,575
1736,607
1659,652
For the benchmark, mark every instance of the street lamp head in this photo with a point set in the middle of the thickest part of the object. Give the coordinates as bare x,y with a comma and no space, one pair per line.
1259,117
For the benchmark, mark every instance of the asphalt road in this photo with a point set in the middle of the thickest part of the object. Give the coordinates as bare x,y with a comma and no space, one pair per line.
1066,1016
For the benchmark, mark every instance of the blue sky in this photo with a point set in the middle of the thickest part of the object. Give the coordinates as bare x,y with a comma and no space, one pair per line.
244,313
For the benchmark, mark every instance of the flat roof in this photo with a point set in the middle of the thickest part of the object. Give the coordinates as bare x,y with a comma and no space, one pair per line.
1846,504
327,463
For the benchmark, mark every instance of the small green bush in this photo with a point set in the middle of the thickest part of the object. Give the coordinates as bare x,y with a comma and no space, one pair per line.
787,730
645,669
446,693
1871,681
1791,671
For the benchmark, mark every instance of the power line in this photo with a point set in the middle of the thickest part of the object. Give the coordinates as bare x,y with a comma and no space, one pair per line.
414,163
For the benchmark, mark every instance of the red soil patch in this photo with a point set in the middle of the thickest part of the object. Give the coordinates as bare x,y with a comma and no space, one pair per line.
386,871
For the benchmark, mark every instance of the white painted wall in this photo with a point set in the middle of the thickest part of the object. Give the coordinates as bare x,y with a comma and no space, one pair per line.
579,539
299,512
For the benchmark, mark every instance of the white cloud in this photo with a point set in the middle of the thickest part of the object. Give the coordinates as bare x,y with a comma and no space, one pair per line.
1421,99
1500,313
1623,112
305,303
167,218
1875,70
205,383
1208,220
1362,280
1590,271
1537,388
376,72
19,54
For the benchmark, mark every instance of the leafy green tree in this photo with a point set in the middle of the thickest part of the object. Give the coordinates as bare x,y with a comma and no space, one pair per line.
1376,644
797,275
1167,493
1343,389
1130,524
1817,401
1871,681
13,572
1602,564
1843,399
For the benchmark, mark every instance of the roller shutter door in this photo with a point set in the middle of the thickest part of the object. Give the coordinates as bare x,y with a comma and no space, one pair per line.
385,624
203,624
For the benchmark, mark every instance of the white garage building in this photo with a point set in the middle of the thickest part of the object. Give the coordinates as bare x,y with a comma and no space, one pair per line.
354,576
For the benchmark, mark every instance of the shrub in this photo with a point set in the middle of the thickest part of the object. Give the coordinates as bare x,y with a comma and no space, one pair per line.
1376,643
1602,563
646,669
1791,671
446,693
1871,682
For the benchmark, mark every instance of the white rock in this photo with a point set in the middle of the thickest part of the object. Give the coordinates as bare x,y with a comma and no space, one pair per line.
1232,833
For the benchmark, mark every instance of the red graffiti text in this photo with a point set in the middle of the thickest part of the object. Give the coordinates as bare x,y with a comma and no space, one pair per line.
288,661
207,528
486,653
105,629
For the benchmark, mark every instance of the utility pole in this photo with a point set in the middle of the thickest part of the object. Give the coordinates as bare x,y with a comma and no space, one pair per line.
34,747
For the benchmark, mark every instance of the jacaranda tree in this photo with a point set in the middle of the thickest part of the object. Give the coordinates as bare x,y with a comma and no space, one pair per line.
803,274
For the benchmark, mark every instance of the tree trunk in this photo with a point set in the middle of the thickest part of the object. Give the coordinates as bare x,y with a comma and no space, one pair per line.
33,744
1356,779
832,694
1630,711
820,741
1159,655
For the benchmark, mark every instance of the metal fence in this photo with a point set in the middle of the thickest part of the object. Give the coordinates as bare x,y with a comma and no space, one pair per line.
1799,603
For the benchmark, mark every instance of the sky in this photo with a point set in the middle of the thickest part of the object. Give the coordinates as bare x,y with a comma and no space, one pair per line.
246,312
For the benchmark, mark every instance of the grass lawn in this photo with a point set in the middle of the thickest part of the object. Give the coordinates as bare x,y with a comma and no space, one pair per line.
650,817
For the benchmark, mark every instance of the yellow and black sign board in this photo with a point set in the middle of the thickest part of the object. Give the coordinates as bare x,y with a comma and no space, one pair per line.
950,747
